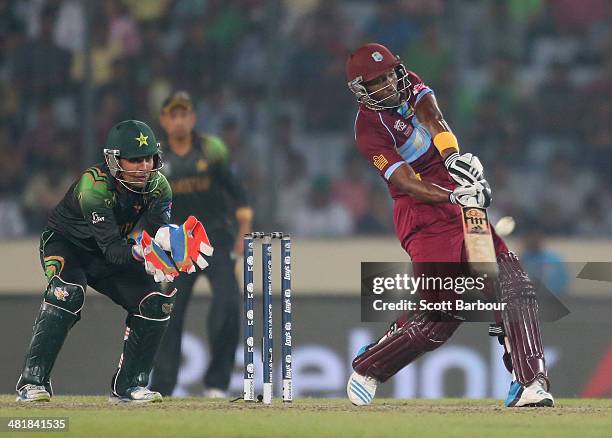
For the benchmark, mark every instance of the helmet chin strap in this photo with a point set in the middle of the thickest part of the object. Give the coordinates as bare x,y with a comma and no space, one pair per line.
142,191
377,106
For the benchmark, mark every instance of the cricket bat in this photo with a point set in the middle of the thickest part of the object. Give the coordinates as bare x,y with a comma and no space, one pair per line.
479,241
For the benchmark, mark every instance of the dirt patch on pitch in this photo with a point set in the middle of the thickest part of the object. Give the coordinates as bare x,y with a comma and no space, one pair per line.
412,407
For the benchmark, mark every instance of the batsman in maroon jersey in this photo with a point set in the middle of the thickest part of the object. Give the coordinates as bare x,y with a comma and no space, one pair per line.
400,130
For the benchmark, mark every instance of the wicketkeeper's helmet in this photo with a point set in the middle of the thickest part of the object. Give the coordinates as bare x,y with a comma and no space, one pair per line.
132,139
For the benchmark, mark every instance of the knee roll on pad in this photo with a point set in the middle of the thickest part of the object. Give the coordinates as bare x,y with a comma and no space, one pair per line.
520,319
157,306
67,296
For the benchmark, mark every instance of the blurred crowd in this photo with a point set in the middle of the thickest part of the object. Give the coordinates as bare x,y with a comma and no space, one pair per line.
525,84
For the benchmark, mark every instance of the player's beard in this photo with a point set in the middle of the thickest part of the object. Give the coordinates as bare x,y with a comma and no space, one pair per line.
181,134
394,100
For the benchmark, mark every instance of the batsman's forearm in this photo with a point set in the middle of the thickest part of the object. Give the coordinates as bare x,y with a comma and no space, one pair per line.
409,183
426,192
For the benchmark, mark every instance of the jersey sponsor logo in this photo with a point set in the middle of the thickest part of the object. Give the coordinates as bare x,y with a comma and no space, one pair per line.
142,140
95,218
400,126
167,308
380,161
377,57
190,185
60,293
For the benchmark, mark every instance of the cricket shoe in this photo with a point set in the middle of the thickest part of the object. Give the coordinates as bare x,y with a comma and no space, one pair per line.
136,394
534,395
33,393
361,389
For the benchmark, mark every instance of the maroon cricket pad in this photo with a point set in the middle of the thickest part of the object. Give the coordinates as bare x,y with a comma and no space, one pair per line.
520,318
410,337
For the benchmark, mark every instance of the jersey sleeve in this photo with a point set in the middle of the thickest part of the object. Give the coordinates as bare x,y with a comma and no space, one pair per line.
159,209
96,202
215,149
417,89
377,144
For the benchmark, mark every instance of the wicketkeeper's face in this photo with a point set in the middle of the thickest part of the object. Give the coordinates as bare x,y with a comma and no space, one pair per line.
178,122
136,171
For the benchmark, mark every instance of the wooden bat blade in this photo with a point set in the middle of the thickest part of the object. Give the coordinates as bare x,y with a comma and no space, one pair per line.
479,240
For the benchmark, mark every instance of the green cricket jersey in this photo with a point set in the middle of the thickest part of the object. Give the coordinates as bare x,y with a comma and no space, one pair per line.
98,213
203,185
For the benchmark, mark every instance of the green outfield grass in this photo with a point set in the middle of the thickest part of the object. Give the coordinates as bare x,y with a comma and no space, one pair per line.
94,416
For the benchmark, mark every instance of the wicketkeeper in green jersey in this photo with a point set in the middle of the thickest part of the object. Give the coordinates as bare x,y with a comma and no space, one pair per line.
100,235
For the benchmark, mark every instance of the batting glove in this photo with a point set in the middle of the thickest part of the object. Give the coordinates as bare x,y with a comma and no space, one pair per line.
187,244
157,263
465,169
475,195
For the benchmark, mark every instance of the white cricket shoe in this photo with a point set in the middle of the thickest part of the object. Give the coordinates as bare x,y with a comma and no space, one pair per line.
136,394
33,393
215,393
361,389
534,395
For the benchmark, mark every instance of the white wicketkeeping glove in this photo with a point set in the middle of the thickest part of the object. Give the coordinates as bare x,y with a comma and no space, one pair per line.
465,169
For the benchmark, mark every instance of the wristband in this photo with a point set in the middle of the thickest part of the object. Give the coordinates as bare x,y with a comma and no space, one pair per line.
445,140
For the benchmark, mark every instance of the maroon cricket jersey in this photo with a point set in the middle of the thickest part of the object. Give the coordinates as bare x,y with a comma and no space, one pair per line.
389,138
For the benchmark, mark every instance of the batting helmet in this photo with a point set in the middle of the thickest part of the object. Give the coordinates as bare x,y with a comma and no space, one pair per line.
367,63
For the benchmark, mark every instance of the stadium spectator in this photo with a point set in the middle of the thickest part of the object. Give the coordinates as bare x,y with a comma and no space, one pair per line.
320,216
520,70
40,69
